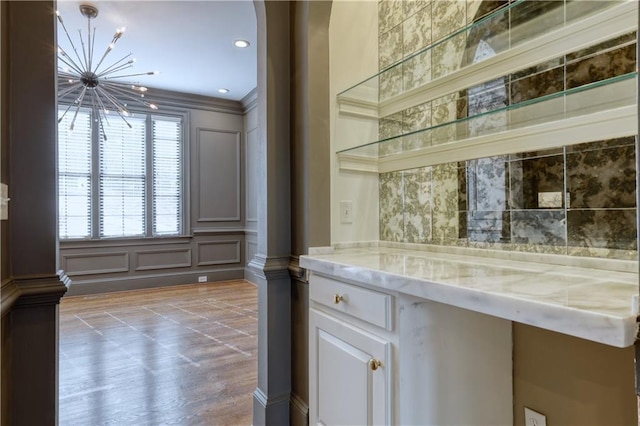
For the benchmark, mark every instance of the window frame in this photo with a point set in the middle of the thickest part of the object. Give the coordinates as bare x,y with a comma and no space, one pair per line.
179,114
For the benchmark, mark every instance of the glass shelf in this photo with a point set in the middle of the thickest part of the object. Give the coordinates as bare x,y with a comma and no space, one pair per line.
584,101
504,30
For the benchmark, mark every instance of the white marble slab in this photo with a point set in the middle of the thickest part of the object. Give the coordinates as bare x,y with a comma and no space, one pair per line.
588,303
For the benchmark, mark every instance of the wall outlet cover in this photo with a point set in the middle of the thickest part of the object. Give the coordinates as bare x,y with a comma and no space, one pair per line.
202,279
346,211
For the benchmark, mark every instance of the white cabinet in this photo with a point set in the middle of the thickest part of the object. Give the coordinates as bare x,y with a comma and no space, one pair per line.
350,365
351,374
379,357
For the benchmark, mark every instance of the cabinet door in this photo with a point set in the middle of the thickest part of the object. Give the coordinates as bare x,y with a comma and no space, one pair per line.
347,386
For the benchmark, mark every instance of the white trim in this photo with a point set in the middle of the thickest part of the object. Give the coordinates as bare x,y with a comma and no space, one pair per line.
613,123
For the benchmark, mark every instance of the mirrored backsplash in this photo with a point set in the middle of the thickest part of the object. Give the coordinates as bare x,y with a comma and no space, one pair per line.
576,200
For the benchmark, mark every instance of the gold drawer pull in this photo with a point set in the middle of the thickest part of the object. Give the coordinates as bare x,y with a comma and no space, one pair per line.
337,298
374,364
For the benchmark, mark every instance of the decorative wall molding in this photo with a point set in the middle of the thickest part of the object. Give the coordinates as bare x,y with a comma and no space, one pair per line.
122,242
199,232
250,101
9,293
39,289
170,98
269,268
160,259
204,216
295,270
234,245
68,260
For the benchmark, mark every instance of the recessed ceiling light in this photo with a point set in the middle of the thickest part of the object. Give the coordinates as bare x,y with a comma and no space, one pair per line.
241,43
223,90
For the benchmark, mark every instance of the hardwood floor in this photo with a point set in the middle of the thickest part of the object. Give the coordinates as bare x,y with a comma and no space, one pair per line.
184,355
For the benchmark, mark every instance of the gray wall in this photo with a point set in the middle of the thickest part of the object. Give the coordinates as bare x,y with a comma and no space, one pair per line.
214,243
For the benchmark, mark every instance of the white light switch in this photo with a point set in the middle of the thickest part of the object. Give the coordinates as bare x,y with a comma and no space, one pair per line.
346,211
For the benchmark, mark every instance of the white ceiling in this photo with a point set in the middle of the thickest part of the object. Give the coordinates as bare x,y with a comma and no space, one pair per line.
189,42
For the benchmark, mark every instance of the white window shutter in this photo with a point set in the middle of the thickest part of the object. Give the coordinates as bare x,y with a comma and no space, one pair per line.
167,177
122,178
74,174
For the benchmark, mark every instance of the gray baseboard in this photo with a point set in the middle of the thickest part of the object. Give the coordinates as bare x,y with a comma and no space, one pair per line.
86,287
267,412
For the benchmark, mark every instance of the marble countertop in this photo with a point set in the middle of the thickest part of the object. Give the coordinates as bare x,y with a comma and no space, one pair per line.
594,304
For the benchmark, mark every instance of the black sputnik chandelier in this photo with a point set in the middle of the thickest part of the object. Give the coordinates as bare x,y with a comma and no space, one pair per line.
91,83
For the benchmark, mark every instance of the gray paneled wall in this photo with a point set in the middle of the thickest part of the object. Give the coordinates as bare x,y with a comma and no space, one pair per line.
214,242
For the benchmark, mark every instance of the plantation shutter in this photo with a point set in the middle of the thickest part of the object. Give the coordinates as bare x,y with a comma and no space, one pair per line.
122,178
167,176
74,174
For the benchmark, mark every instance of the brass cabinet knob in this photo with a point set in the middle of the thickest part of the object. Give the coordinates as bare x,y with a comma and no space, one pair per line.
374,364
337,298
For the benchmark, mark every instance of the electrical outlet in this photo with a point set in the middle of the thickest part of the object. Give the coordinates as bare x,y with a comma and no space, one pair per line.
202,279
533,418
346,211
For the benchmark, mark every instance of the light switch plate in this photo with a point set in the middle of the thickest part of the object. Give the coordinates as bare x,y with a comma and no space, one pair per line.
346,211
533,418
4,201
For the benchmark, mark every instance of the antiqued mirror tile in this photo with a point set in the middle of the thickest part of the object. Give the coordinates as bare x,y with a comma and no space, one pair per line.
576,9
445,203
390,127
416,31
488,183
411,7
538,227
611,229
533,86
487,38
537,183
488,226
415,119
391,207
612,44
601,66
390,83
602,178
448,56
478,9
529,19
417,205
444,110
417,70
448,17
389,14
390,47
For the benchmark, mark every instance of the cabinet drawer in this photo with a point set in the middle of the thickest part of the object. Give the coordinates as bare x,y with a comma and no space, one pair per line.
368,305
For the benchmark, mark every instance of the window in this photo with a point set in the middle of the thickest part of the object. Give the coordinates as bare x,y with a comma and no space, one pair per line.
125,183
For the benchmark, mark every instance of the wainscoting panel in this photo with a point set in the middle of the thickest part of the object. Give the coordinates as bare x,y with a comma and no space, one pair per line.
218,169
95,263
162,259
218,252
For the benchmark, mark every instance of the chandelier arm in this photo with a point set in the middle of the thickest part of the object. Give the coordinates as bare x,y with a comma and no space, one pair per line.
68,38
96,110
116,103
119,68
84,52
103,107
113,65
68,90
64,113
80,99
71,64
124,91
110,47
131,75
